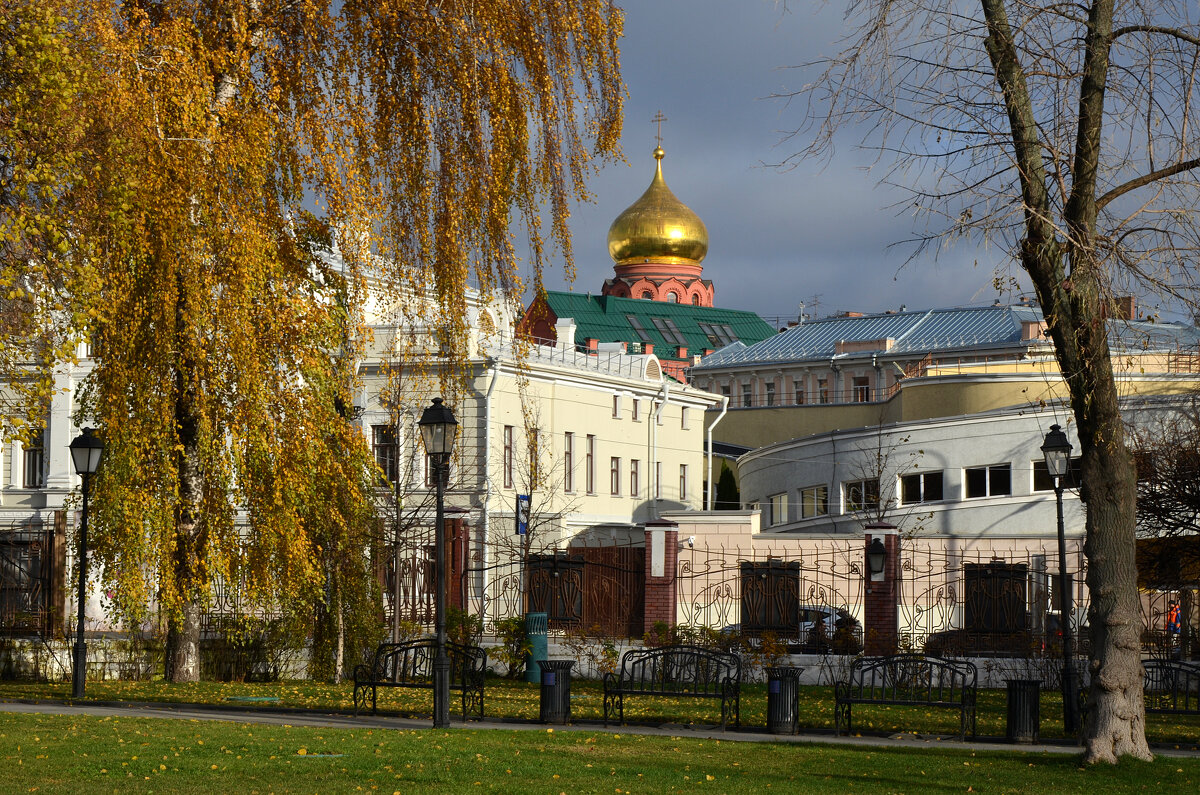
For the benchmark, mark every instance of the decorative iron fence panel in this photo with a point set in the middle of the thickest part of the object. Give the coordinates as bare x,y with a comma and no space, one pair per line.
600,590
788,593
27,563
986,602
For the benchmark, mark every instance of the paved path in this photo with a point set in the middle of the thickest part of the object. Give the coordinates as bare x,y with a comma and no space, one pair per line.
342,720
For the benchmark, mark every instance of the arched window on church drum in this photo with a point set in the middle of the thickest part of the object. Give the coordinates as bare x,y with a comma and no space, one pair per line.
647,295
672,297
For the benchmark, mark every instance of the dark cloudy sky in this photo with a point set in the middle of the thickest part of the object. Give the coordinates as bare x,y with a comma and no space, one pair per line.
776,237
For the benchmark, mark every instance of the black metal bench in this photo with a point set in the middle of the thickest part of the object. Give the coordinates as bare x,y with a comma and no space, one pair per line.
1171,686
908,680
410,664
676,671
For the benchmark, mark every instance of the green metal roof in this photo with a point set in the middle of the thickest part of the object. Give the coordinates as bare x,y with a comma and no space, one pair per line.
664,325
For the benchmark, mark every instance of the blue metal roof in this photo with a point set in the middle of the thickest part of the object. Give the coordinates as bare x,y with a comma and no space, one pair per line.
918,333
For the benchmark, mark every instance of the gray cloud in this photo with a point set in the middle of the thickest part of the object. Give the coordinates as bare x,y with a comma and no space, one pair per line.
777,237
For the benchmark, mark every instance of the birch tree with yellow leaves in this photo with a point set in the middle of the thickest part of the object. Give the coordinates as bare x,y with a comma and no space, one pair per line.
176,170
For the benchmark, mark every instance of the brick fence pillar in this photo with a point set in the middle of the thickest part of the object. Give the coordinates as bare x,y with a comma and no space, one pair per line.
880,625
662,554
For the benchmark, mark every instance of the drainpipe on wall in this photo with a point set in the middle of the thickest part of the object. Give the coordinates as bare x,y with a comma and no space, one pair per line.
666,393
711,486
485,526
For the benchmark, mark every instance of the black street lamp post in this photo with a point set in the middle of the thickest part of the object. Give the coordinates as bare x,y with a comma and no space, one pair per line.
438,429
1057,450
85,455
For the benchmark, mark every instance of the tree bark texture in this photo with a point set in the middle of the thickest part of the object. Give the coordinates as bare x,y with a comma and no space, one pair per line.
1074,306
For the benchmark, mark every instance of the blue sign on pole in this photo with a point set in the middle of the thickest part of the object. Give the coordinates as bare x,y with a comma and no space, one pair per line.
522,514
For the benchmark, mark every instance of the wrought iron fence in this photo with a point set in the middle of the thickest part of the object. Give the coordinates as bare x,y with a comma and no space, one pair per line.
27,574
803,597
957,602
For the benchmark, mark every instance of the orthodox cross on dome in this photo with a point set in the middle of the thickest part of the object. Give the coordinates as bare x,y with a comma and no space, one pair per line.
658,119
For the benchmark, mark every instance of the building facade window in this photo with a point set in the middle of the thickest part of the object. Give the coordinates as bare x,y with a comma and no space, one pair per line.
616,407
614,476
589,466
635,409
683,418
33,459
383,446
814,501
507,465
770,385
635,487
726,390
798,392
747,396
861,389
1072,480
860,495
823,390
989,481
778,503
533,440
672,298
683,482
569,462
921,487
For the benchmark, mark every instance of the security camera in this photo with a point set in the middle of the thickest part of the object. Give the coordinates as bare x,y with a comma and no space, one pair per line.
691,541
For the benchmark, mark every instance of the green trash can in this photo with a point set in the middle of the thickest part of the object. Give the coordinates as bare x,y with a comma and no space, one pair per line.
537,627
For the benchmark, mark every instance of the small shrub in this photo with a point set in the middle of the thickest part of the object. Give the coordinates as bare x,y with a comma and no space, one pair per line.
514,646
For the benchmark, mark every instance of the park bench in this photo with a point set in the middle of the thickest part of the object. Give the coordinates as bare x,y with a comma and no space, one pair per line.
410,664
677,671
1171,686
908,680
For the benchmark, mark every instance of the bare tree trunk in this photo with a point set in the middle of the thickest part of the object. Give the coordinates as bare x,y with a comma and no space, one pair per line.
339,656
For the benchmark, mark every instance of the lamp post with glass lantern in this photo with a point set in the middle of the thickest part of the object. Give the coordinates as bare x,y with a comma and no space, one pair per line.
85,455
438,429
1057,451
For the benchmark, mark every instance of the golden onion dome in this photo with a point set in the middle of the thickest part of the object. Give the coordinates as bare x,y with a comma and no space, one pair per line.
657,227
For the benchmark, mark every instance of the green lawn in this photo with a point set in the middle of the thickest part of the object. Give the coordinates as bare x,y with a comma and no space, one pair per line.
78,754
507,699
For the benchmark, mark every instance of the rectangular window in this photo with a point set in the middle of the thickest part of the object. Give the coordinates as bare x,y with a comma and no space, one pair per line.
616,407
1072,480
747,396
569,462
861,386
533,441
683,418
590,465
508,457
727,390
770,393
34,458
778,508
658,480
683,484
823,390
635,486
383,445
614,476
920,487
990,481
860,495
814,501
798,391
635,408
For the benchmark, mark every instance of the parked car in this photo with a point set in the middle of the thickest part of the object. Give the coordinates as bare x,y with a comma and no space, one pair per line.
820,629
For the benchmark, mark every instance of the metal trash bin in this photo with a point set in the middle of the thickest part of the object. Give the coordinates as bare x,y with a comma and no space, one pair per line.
556,691
537,627
1024,710
783,699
